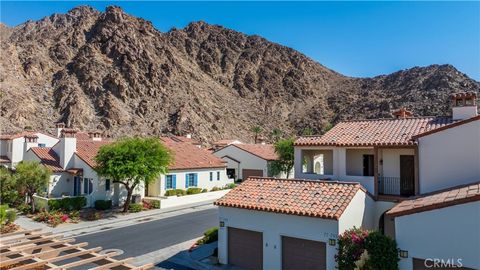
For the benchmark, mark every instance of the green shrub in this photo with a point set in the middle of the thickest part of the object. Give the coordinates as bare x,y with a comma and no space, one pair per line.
231,185
215,189
175,192
24,208
382,250
155,204
11,216
204,190
103,204
193,190
350,248
135,207
209,236
3,214
67,204
181,192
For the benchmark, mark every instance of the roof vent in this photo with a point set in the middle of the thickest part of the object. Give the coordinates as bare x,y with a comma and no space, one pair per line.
402,113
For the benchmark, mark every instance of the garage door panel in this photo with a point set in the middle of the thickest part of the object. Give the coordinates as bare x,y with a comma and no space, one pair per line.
303,254
245,248
249,172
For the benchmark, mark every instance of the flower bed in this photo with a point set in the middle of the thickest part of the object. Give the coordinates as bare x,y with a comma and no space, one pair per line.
54,218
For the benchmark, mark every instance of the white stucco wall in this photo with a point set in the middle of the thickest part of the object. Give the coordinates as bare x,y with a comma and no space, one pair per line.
247,160
450,157
359,213
274,226
463,112
203,181
18,146
354,160
391,161
446,233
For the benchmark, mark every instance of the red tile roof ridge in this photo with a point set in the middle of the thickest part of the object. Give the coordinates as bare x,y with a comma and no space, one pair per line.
413,205
454,124
383,119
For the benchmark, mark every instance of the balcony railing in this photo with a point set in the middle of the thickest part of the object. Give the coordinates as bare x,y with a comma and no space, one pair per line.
389,185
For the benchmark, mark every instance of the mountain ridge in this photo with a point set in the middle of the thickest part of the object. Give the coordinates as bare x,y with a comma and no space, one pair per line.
118,73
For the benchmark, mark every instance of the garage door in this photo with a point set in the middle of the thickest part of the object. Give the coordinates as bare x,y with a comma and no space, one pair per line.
247,173
421,264
245,248
303,254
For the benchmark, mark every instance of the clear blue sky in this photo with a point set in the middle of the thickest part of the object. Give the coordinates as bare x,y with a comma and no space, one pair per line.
354,38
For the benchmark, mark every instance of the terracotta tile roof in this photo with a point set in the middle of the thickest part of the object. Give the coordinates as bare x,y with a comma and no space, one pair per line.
82,136
4,159
453,196
376,132
48,158
87,150
189,156
313,198
456,124
264,151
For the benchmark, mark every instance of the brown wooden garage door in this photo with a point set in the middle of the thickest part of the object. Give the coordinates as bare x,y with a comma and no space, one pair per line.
303,254
245,248
247,173
420,264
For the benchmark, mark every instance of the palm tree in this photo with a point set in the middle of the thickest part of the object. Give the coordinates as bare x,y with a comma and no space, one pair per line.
256,130
276,134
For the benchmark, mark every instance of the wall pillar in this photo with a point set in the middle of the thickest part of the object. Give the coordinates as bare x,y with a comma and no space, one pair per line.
375,171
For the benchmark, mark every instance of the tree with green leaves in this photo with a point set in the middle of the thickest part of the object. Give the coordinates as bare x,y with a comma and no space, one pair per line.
133,161
276,134
8,188
31,177
284,164
256,131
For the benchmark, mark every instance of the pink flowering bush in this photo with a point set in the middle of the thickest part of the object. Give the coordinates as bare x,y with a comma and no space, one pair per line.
381,251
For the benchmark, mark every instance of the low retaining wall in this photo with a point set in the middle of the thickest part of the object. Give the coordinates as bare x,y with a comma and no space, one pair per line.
173,201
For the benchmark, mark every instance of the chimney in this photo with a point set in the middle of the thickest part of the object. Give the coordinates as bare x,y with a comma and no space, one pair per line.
464,105
402,113
59,126
66,146
31,140
95,135
189,136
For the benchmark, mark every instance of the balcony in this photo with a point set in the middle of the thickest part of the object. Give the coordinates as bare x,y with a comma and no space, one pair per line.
396,186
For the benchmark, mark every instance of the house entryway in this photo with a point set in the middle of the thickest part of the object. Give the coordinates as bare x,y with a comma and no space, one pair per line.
407,175
303,254
245,248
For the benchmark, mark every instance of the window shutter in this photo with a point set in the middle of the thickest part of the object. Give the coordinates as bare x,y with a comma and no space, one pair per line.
195,178
174,181
187,176
166,182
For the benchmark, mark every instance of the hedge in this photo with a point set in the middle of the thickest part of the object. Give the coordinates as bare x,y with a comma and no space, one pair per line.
67,204
194,191
175,192
135,207
103,204
209,236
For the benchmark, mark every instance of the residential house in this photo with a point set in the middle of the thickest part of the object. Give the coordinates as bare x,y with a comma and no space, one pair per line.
222,143
193,166
270,223
72,163
14,146
404,164
246,160
440,229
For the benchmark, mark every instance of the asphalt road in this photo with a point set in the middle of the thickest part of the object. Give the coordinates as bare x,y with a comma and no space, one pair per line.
150,236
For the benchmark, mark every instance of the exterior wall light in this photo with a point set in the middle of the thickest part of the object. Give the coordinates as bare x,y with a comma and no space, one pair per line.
222,224
403,253
332,242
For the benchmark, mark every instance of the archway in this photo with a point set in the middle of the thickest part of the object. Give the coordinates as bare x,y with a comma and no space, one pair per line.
386,225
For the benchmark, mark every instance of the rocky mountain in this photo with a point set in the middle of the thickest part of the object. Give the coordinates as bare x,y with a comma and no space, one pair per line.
117,73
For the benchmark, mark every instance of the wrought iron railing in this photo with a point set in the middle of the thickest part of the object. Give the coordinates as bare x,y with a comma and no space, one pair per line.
388,185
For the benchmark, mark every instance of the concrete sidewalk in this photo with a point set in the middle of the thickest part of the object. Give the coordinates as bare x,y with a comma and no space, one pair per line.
115,222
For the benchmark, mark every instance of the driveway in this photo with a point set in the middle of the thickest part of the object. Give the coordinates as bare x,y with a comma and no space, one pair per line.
150,236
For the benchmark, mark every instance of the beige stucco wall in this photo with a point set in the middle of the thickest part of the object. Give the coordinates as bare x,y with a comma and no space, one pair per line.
354,160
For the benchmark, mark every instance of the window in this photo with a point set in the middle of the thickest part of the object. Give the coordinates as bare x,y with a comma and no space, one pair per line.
191,180
42,145
469,102
218,176
367,165
459,102
169,182
107,184
87,185
211,176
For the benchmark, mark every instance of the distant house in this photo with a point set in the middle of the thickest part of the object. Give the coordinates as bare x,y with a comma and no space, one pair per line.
222,143
14,146
444,225
245,160
269,223
72,163
193,166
